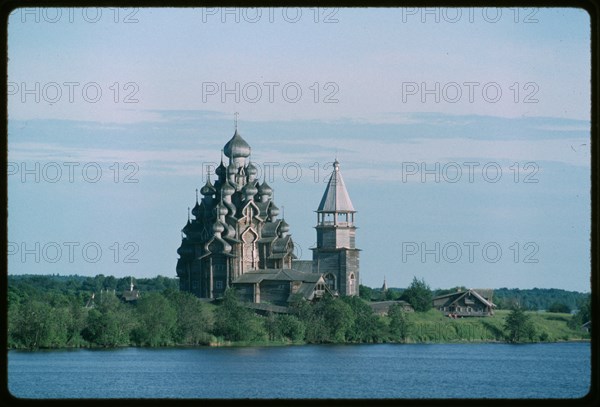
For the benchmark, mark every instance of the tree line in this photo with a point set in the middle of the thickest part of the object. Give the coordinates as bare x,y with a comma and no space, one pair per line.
172,318
61,315
549,299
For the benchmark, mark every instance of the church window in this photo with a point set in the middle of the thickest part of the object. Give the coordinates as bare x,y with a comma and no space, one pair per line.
219,284
352,287
330,281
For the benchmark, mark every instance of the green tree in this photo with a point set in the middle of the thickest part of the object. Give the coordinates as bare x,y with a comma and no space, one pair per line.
77,322
39,325
559,307
366,327
519,326
235,322
290,327
13,319
390,295
365,292
194,318
330,321
419,295
272,328
156,319
300,308
109,324
398,323
584,313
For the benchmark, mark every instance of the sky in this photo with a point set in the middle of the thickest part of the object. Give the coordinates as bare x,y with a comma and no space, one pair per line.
463,135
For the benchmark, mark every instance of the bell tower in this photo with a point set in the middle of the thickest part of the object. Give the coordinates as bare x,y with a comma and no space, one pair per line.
336,255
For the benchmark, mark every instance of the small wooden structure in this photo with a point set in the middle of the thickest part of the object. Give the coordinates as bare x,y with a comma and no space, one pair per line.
131,294
382,307
469,303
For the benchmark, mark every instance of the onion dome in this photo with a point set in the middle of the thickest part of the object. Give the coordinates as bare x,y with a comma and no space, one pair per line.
251,169
208,188
198,210
185,250
265,189
227,189
273,210
232,169
230,232
284,227
237,147
187,227
222,209
221,170
249,190
218,227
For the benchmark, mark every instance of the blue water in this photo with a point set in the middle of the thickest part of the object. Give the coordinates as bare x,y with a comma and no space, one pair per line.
557,370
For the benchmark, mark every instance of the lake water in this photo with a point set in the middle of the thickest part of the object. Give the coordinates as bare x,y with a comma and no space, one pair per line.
556,370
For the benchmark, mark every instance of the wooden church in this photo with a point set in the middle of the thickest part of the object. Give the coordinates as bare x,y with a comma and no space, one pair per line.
235,239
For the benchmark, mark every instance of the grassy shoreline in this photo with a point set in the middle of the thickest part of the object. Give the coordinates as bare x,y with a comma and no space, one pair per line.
227,344
424,328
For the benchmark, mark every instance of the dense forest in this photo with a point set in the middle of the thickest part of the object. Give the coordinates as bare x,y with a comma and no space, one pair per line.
54,311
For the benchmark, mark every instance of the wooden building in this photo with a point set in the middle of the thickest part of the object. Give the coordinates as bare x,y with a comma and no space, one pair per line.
132,294
278,286
235,239
469,303
336,255
235,228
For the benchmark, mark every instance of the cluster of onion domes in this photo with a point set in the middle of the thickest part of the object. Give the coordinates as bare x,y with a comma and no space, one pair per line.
235,206
221,201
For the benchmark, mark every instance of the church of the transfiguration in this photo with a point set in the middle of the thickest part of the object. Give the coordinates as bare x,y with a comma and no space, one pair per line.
235,239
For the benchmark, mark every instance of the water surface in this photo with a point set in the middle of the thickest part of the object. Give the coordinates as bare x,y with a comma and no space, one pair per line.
557,370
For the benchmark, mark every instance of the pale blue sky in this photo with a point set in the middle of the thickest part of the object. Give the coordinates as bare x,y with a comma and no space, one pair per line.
167,62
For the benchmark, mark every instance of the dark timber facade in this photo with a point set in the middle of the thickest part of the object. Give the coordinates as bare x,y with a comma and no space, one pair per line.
236,240
470,303
235,228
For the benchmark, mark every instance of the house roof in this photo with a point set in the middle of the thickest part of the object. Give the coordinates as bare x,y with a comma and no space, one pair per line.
454,297
281,244
270,229
307,288
486,293
303,265
131,295
256,276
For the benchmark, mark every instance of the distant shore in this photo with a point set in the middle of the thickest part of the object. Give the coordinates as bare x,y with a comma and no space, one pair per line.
425,328
227,344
